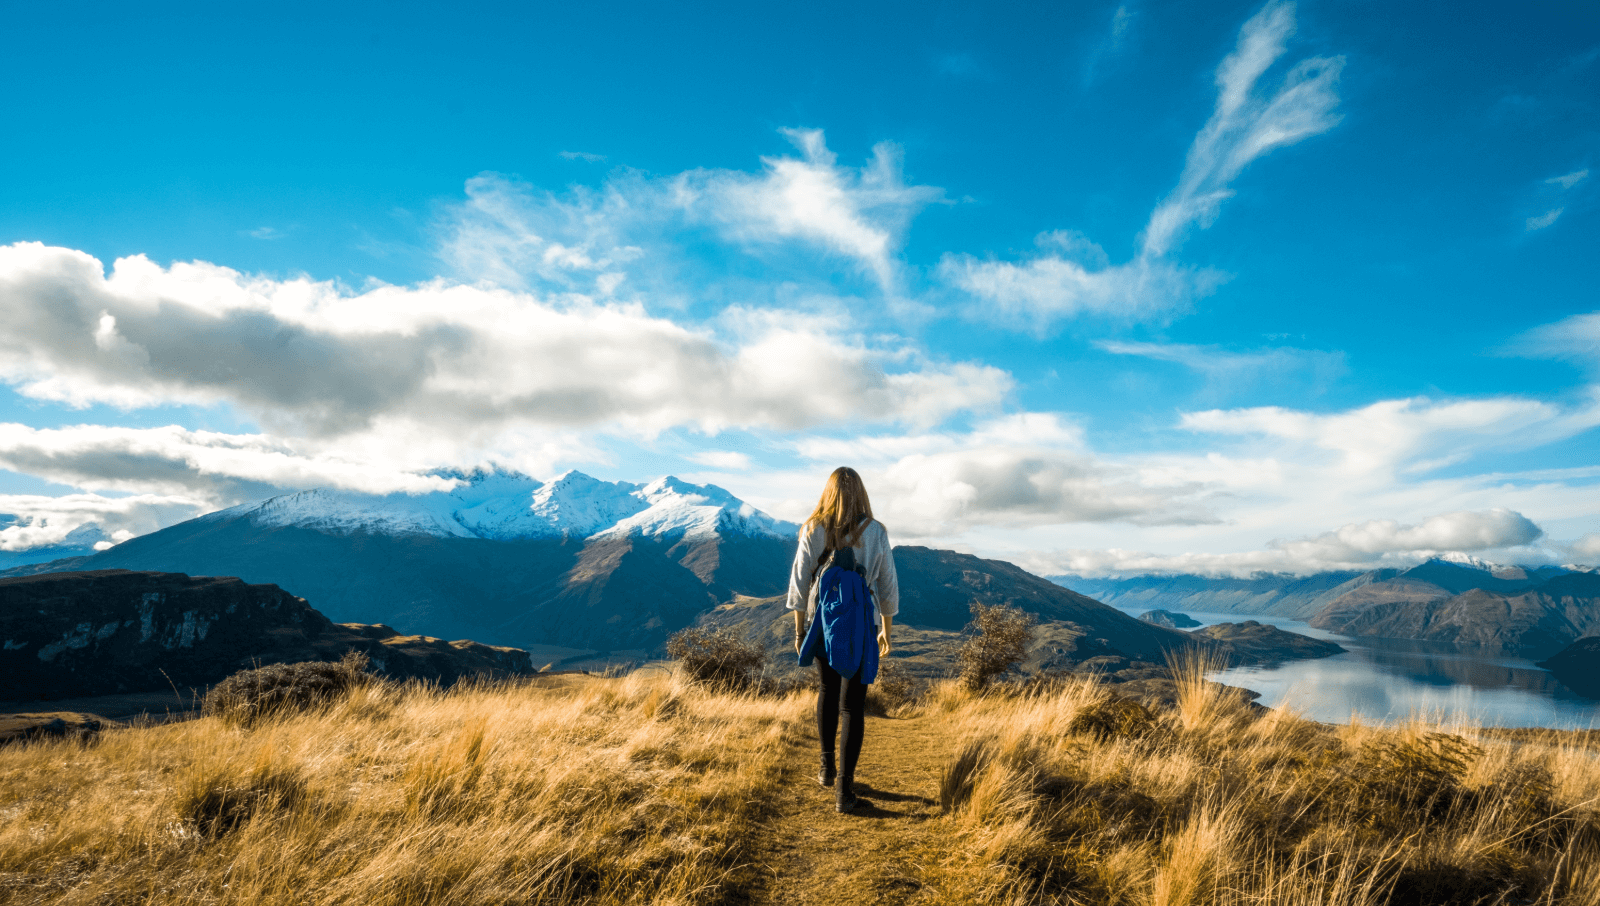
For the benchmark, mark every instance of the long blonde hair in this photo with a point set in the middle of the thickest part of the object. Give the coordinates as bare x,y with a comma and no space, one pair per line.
844,510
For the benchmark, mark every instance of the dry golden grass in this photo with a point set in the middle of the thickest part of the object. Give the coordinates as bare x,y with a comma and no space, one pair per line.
646,789
639,790
1070,797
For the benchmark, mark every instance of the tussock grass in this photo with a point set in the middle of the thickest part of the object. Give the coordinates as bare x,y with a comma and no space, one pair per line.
643,789
1070,796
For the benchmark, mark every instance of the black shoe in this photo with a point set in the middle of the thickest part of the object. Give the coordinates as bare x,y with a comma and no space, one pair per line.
827,772
847,798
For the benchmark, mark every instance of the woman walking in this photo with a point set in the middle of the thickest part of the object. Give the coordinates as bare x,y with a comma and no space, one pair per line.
841,532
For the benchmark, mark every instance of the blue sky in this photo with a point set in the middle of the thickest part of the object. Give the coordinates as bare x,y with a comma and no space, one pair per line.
1096,287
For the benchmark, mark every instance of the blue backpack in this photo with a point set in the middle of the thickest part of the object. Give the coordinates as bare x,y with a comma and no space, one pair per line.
843,623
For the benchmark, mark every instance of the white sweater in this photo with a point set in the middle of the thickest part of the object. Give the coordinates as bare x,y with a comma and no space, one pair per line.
873,555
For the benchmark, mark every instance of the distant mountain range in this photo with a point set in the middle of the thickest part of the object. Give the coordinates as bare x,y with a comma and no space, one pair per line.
1534,611
503,558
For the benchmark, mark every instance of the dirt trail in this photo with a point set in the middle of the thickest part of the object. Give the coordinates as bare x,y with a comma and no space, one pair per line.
877,853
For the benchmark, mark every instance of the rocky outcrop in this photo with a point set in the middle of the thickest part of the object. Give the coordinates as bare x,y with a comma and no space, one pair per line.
65,635
1577,666
1169,619
1252,642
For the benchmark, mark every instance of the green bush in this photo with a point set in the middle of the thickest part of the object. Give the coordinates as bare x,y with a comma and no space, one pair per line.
251,695
999,639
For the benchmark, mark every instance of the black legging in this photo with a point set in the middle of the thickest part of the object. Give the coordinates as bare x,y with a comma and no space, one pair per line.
855,714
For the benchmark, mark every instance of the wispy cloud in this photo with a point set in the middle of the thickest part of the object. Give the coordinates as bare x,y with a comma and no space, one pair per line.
1543,220
583,155
1557,188
1247,123
1226,369
1072,278
861,214
1568,180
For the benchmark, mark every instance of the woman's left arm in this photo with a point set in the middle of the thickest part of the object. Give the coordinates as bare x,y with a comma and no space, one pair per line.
885,588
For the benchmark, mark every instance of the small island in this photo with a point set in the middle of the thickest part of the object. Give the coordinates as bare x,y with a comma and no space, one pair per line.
1261,643
1170,619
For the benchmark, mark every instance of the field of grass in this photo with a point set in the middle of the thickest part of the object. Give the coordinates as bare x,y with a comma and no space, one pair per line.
646,789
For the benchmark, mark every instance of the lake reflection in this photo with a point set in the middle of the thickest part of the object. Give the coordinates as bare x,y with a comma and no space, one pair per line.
1387,680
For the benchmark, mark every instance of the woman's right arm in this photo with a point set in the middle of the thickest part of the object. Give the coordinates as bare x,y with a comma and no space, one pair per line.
800,574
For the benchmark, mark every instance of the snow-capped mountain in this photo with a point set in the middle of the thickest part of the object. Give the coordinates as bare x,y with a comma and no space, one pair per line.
507,506
501,557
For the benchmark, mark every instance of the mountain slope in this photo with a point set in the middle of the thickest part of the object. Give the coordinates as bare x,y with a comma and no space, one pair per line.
1530,610
113,631
502,558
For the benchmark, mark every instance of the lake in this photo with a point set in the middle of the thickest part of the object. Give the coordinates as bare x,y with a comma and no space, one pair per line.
1391,680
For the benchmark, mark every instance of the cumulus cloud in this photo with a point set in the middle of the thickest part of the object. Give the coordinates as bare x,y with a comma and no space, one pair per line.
1458,532
1071,277
1019,470
1247,123
1356,546
1587,548
310,358
204,467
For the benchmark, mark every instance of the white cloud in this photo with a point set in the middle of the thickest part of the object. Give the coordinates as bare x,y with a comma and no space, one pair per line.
1543,220
1225,368
588,156
1247,124
1075,279
722,459
861,214
1464,532
1587,548
311,359
1019,470
1417,434
1567,181
41,521
1575,338
1356,546
204,467
1072,279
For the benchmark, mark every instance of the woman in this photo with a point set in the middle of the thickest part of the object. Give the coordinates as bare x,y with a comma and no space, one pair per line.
843,518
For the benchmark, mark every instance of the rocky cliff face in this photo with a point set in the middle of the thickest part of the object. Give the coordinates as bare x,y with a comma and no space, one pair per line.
109,631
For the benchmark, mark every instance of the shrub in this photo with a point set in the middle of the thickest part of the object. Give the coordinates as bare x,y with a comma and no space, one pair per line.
719,658
894,688
250,695
1114,718
999,641
216,800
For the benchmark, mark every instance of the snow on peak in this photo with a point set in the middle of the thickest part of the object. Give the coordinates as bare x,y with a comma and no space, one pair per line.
501,505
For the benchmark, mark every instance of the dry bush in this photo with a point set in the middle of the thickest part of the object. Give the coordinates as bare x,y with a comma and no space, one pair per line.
252,695
1115,718
643,789
720,658
894,690
999,638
